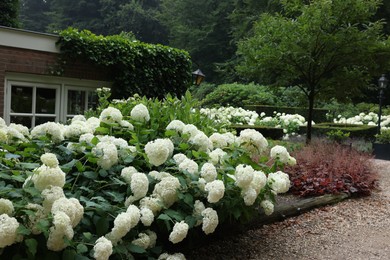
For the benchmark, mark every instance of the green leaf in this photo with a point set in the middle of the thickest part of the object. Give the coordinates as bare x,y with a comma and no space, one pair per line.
116,196
29,166
164,217
11,156
80,167
90,175
32,245
81,248
22,230
136,249
102,226
174,214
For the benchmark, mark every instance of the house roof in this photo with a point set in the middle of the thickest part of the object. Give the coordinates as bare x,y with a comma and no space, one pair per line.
18,38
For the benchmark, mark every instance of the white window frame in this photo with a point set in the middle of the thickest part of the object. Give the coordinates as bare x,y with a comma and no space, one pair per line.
66,99
63,84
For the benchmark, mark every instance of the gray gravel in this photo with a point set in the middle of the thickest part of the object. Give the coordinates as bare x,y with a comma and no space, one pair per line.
352,229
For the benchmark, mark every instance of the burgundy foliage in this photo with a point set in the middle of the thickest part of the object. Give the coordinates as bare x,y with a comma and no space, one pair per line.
331,168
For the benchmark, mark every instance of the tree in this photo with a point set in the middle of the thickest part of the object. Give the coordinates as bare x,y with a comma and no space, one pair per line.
33,14
321,46
202,28
9,13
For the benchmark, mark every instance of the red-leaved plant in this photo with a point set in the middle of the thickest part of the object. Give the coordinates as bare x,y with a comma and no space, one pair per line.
330,168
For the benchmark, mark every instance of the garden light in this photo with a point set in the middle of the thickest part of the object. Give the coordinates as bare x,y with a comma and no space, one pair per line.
198,77
382,82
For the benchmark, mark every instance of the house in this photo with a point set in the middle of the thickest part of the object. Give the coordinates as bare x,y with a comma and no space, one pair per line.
29,92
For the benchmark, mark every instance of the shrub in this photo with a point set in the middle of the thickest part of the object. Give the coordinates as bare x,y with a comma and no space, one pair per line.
383,137
331,168
238,95
201,91
135,181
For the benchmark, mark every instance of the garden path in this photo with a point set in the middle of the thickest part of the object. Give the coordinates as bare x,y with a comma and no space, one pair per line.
352,229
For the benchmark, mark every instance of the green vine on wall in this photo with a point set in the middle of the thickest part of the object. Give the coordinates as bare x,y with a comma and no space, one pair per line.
152,70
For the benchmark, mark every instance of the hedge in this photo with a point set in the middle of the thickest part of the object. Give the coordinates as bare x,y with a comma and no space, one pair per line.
319,114
136,67
356,131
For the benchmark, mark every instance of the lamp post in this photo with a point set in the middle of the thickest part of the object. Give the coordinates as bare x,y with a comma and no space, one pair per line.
198,77
382,82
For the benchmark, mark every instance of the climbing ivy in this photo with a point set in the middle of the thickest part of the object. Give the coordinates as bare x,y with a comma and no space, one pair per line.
137,67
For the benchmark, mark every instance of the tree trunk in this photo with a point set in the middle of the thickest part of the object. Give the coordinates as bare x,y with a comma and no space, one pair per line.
310,116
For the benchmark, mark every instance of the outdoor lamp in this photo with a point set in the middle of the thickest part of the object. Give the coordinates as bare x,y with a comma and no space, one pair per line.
382,82
198,77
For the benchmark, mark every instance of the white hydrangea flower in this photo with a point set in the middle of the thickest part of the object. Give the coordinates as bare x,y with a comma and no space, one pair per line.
122,225
179,158
6,207
147,216
280,152
201,142
179,232
216,190
77,128
139,186
135,214
159,175
208,172
8,230
140,113
152,203
259,181
279,182
44,177
244,175
230,138
218,140
176,125
2,123
102,249
189,165
153,238
86,138
190,129
3,135
217,156
197,212
210,220
267,206
93,123
71,207
50,195
143,241
250,195
111,115
50,160
51,129
107,154
20,128
78,118
253,141
127,124
127,173
61,228
166,190
158,151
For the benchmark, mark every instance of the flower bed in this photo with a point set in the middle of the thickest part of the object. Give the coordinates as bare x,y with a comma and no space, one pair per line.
129,183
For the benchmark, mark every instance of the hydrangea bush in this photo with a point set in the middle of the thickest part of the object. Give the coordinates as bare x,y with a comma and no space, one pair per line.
131,182
370,118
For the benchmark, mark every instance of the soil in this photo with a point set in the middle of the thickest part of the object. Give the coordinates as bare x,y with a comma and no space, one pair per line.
357,228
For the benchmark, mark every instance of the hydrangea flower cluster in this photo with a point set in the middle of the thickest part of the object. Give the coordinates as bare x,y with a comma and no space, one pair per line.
231,115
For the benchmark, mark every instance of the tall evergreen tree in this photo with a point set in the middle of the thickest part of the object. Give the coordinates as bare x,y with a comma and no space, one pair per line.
9,10
33,14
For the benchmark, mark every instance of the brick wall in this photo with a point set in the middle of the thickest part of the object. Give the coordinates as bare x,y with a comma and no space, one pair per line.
39,63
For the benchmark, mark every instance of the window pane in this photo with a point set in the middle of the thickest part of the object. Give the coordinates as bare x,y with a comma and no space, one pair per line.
24,120
92,100
21,99
76,102
40,120
46,101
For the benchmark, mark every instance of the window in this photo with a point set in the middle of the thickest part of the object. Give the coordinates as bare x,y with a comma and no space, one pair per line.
33,100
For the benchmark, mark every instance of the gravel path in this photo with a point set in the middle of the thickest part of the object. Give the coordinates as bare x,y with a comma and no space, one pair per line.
352,229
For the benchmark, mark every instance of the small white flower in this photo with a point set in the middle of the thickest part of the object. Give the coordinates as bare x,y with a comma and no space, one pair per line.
210,220
6,207
8,230
208,172
158,151
267,206
111,115
49,159
216,190
102,249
